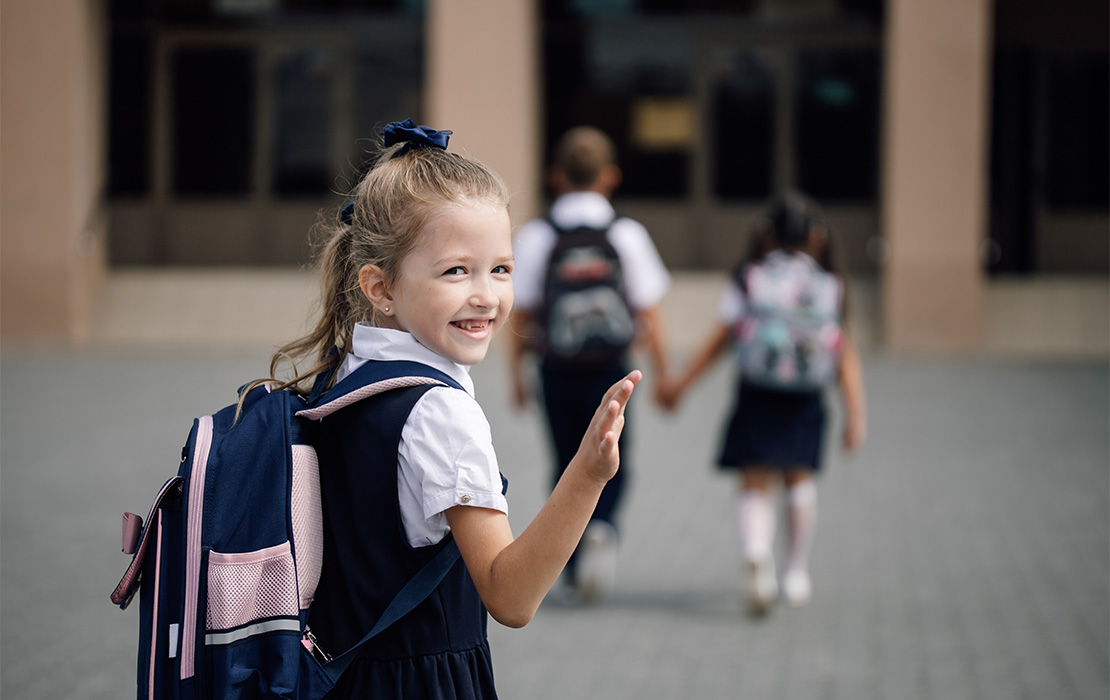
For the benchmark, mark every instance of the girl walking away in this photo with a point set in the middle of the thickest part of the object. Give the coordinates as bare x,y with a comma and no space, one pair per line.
417,268
782,314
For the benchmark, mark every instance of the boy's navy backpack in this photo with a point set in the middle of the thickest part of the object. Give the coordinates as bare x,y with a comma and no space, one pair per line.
585,319
228,560
790,337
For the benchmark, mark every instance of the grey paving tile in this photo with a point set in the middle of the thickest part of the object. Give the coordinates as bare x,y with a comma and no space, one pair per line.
965,553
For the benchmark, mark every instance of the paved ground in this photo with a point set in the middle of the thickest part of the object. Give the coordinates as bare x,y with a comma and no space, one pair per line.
963,554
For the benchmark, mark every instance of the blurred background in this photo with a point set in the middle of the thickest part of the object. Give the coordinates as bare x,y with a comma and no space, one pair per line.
162,162
959,147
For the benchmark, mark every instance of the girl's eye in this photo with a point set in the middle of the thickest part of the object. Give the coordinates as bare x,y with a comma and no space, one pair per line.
502,270
456,270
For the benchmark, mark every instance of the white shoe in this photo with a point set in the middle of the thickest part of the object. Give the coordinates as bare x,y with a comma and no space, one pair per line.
796,587
597,562
763,588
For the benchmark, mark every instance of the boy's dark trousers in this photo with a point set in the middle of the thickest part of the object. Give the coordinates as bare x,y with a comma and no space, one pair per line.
571,397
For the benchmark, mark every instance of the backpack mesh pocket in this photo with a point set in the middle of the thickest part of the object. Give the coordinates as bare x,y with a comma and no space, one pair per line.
250,586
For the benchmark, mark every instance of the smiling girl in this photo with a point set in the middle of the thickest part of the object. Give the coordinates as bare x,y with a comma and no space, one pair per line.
417,268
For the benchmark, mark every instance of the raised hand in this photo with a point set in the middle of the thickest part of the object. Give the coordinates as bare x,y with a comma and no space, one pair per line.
599,452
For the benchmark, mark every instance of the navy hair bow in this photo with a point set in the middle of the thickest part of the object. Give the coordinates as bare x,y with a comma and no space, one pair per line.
413,136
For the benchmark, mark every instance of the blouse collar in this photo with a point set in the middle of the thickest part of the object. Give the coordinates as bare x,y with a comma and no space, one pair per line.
373,343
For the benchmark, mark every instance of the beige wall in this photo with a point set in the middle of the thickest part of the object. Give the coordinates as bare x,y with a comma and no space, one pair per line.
935,172
52,170
483,77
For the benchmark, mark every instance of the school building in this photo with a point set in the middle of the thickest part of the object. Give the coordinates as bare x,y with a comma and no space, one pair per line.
960,148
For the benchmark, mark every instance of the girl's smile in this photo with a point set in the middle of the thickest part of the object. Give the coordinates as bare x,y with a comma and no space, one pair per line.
454,290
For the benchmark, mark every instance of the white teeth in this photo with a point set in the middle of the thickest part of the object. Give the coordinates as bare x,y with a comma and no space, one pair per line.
472,325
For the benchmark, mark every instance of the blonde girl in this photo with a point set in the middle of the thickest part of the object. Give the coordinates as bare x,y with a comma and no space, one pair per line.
418,268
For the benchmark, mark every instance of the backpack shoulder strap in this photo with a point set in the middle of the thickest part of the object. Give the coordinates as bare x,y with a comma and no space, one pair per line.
374,377
560,230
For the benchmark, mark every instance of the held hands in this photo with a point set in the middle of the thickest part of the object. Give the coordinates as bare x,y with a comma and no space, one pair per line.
668,392
855,432
599,454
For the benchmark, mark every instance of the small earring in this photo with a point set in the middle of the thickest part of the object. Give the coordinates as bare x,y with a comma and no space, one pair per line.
386,309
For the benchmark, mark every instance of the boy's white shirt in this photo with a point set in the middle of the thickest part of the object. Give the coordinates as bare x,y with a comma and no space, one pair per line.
646,277
446,456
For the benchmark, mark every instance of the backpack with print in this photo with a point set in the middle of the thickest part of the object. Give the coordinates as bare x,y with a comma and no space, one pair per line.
586,319
791,335
227,562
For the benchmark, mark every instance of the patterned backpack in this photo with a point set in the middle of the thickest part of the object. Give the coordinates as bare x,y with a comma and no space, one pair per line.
228,560
790,337
586,319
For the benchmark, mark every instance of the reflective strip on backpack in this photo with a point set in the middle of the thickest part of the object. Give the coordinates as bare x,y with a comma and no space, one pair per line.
278,625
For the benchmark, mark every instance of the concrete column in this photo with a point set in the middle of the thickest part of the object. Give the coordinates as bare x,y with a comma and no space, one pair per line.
937,92
52,165
483,80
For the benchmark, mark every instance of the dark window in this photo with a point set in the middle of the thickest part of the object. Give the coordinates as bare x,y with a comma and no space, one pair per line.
213,118
837,123
1078,165
1013,197
303,82
388,80
128,114
743,123
631,78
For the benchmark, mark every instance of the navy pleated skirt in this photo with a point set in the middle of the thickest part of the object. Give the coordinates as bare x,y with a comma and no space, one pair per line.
774,429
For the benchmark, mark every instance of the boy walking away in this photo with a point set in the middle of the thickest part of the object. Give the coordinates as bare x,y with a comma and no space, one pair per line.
588,285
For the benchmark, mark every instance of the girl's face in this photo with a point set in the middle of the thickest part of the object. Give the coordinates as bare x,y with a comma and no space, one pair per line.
453,291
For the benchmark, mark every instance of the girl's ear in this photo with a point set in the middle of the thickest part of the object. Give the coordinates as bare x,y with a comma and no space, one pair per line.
372,281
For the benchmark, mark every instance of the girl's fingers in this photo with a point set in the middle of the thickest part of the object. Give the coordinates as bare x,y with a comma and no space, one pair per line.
611,438
607,415
618,427
621,391
625,386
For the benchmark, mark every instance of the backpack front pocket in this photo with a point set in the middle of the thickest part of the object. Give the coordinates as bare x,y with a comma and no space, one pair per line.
252,622
251,593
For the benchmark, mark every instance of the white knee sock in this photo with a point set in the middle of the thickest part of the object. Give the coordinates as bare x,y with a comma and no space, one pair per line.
801,514
755,515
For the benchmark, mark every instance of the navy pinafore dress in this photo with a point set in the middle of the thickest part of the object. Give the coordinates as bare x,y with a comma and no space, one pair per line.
439,650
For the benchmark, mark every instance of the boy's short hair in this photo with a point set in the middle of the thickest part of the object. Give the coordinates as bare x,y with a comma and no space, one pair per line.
582,153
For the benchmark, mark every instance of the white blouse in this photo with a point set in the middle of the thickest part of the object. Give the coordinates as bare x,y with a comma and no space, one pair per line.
446,456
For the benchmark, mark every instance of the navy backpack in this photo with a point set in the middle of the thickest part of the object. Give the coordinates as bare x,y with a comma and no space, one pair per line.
585,319
227,562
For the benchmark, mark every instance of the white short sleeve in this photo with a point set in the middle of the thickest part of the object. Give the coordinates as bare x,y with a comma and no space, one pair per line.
531,248
731,306
446,458
645,276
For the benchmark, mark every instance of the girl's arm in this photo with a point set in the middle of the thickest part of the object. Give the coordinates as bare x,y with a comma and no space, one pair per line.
706,356
852,394
653,336
513,575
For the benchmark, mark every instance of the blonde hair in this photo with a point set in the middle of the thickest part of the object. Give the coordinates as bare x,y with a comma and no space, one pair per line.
389,209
